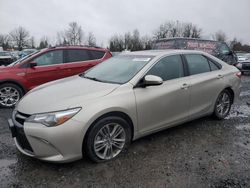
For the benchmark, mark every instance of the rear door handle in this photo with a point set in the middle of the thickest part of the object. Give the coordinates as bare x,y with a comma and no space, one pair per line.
220,76
185,86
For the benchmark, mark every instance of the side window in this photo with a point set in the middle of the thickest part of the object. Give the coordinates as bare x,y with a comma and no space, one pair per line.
168,68
96,54
77,55
197,64
50,58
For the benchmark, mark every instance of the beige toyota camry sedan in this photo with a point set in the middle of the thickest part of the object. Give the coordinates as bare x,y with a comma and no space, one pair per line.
98,113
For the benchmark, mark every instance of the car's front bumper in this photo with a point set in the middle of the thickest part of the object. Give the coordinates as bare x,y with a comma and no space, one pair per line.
55,144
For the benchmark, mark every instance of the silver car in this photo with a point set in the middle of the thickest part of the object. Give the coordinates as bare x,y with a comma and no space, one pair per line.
99,112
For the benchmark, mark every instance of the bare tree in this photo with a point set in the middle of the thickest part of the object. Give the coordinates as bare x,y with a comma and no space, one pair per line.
116,43
220,36
136,41
74,34
44,43
128,41
196,32
32,42
20,37
177,29
146,42
91,40
4,41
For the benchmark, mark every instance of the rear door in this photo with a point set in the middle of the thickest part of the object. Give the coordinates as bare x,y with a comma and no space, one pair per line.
80,60
48,68
206,82
160,106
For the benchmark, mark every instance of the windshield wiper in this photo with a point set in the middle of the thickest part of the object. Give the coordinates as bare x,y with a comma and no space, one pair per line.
92,78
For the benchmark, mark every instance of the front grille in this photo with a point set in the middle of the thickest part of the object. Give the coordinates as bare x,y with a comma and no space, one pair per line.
246,66
21,117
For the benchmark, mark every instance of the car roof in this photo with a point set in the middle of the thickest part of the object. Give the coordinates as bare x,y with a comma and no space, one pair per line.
186,38
162,52
78,47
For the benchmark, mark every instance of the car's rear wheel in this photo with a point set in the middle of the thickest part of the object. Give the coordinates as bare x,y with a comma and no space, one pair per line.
223,105
107,138
10,94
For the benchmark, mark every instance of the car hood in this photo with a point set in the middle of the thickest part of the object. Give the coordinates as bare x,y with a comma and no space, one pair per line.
63,94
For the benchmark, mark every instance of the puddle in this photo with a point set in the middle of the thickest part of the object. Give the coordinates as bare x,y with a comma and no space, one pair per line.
243,127
5,169
245,146
4,163
239,111
245,93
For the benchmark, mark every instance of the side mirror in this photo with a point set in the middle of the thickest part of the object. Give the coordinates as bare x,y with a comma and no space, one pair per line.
33,64
151,80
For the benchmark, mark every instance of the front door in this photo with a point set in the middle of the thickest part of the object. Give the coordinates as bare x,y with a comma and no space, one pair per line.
49,68
166,104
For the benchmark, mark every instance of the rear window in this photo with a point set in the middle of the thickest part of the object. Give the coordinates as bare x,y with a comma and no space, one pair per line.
77,55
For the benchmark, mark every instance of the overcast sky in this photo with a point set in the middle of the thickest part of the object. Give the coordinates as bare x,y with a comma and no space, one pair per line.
107,17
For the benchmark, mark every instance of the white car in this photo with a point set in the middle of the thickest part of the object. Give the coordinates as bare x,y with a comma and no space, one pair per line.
131,95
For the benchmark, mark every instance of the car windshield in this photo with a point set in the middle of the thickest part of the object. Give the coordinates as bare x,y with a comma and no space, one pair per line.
22,59
119,69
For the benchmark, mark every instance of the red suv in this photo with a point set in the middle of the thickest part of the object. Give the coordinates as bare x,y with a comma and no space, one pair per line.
44,66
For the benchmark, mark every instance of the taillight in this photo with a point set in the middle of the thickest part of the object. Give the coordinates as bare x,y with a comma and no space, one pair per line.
238,74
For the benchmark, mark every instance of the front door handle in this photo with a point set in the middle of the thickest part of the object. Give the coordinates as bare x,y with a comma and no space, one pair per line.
185,86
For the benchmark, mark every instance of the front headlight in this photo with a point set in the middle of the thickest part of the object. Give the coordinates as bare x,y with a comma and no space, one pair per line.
52,119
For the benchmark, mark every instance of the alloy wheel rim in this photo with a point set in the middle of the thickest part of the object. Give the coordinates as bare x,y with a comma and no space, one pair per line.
109,141
9,96
223,104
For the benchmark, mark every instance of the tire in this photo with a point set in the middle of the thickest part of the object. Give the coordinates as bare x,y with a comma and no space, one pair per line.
10,94
95,143
223,105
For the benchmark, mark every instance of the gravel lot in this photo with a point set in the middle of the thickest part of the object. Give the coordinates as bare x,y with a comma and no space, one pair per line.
202,153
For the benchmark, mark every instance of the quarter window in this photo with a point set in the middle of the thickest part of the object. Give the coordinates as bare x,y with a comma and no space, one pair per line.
96,54
168,68
50,58
197,64
213,66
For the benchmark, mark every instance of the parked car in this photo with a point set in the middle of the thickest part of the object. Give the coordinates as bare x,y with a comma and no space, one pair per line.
215,48
26,52
15,55
131,95
242,58
5,58
44,66
244,66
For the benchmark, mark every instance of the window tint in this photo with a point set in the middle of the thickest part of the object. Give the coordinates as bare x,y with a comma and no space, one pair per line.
168,68
96,54
197,64
77,55
50,58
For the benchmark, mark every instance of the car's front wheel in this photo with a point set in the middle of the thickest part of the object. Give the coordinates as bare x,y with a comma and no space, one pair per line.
10,94
107,138
223,105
